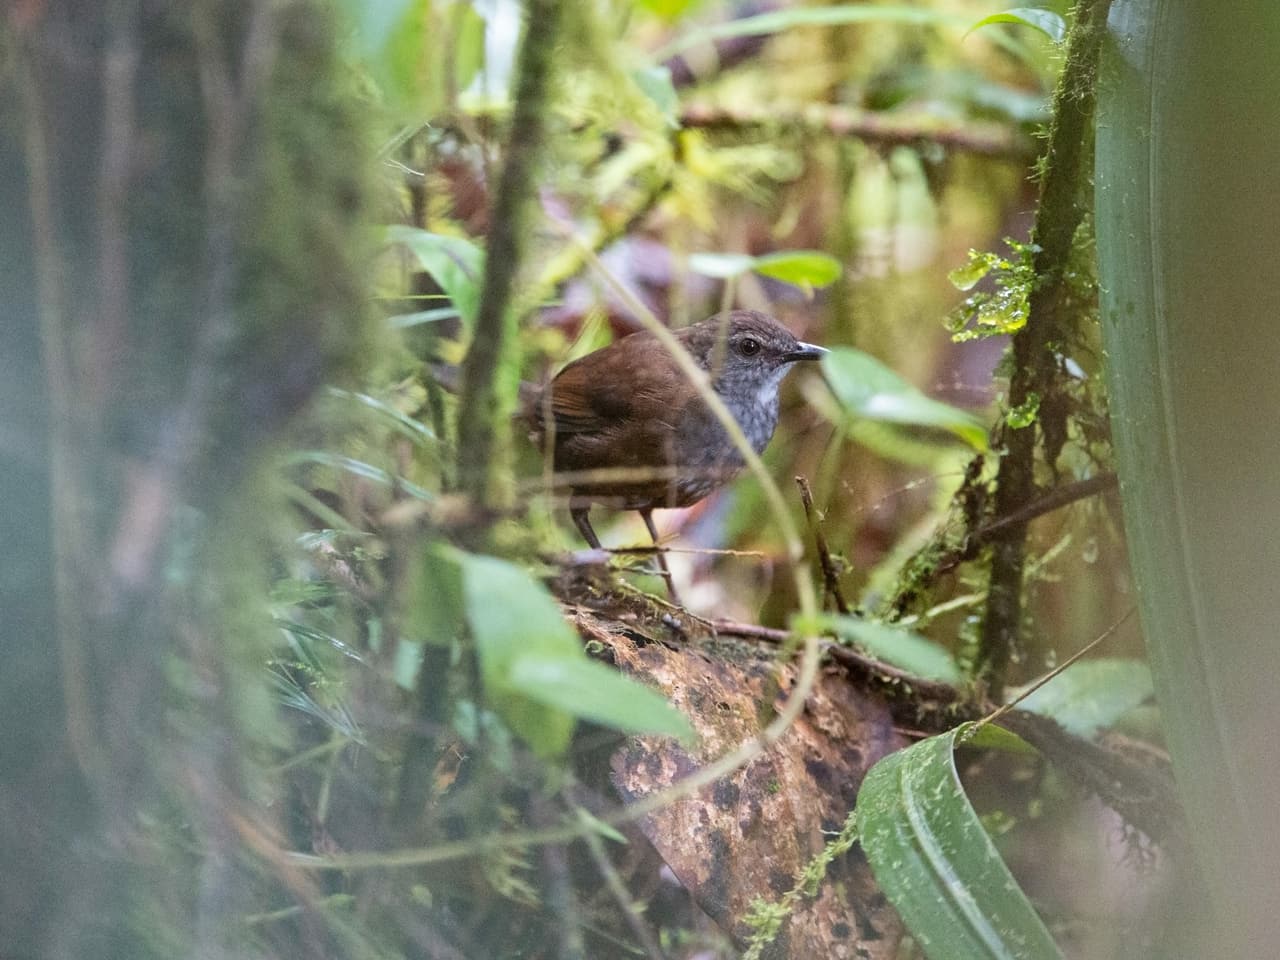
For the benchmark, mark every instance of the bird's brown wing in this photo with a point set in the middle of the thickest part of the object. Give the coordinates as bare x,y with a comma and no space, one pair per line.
624,383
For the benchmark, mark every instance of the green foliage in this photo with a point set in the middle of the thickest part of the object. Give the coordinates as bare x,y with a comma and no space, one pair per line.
805,269
864,387
936,863
898,646
1091,695
534,669
402,44
998,312
456,264
1050,23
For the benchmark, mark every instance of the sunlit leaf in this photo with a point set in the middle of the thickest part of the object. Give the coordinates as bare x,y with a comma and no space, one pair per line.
457,265
936,863
1051,24
867,388
669,10
803,268
899,647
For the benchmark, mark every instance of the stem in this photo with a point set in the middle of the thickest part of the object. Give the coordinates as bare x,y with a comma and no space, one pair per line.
1066,166
488,392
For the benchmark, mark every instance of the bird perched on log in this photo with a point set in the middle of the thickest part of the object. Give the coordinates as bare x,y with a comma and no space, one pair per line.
628,429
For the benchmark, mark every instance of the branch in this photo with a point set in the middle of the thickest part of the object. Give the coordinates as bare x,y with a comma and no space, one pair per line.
870,126
1066,166
484,403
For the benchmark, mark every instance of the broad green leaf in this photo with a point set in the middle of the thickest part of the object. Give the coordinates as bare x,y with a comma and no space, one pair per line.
592,691
1091,695
899,647
1051,24
457,265
803,268
867,388
535,671
937,865
512,615
435,609
1187,254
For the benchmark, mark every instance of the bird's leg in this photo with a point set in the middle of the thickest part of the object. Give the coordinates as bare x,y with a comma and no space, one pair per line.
578,510
647,514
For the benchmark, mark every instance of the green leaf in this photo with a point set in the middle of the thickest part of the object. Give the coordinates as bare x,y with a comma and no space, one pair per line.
435,610
595,692
399,420
722,266
468,43
512,615
655,83
899,647
399,43
457,265
1051,24
534,669
1091,695
867,388
937,865
802,268
1187,248
358,468
402,321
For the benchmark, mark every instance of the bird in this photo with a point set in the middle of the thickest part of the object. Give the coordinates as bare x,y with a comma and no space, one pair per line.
626,428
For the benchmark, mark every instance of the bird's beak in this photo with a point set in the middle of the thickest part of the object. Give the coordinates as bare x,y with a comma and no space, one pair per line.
805,351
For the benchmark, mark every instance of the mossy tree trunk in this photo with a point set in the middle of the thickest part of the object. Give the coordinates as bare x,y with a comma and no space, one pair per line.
183,182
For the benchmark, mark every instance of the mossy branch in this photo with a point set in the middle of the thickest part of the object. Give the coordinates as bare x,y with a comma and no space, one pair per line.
1066,165
487,397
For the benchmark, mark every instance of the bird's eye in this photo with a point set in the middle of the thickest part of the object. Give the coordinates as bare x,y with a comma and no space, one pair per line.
749,347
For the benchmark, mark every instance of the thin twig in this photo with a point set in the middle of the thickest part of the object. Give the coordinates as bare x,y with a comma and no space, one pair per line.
618,890
830,576
868,126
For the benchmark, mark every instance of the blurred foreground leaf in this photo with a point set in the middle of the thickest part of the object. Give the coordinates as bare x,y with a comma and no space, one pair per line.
1092,695
899,647
534,668
457,265
936,863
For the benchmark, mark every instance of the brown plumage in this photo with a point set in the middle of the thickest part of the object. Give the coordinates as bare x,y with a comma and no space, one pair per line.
629,408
